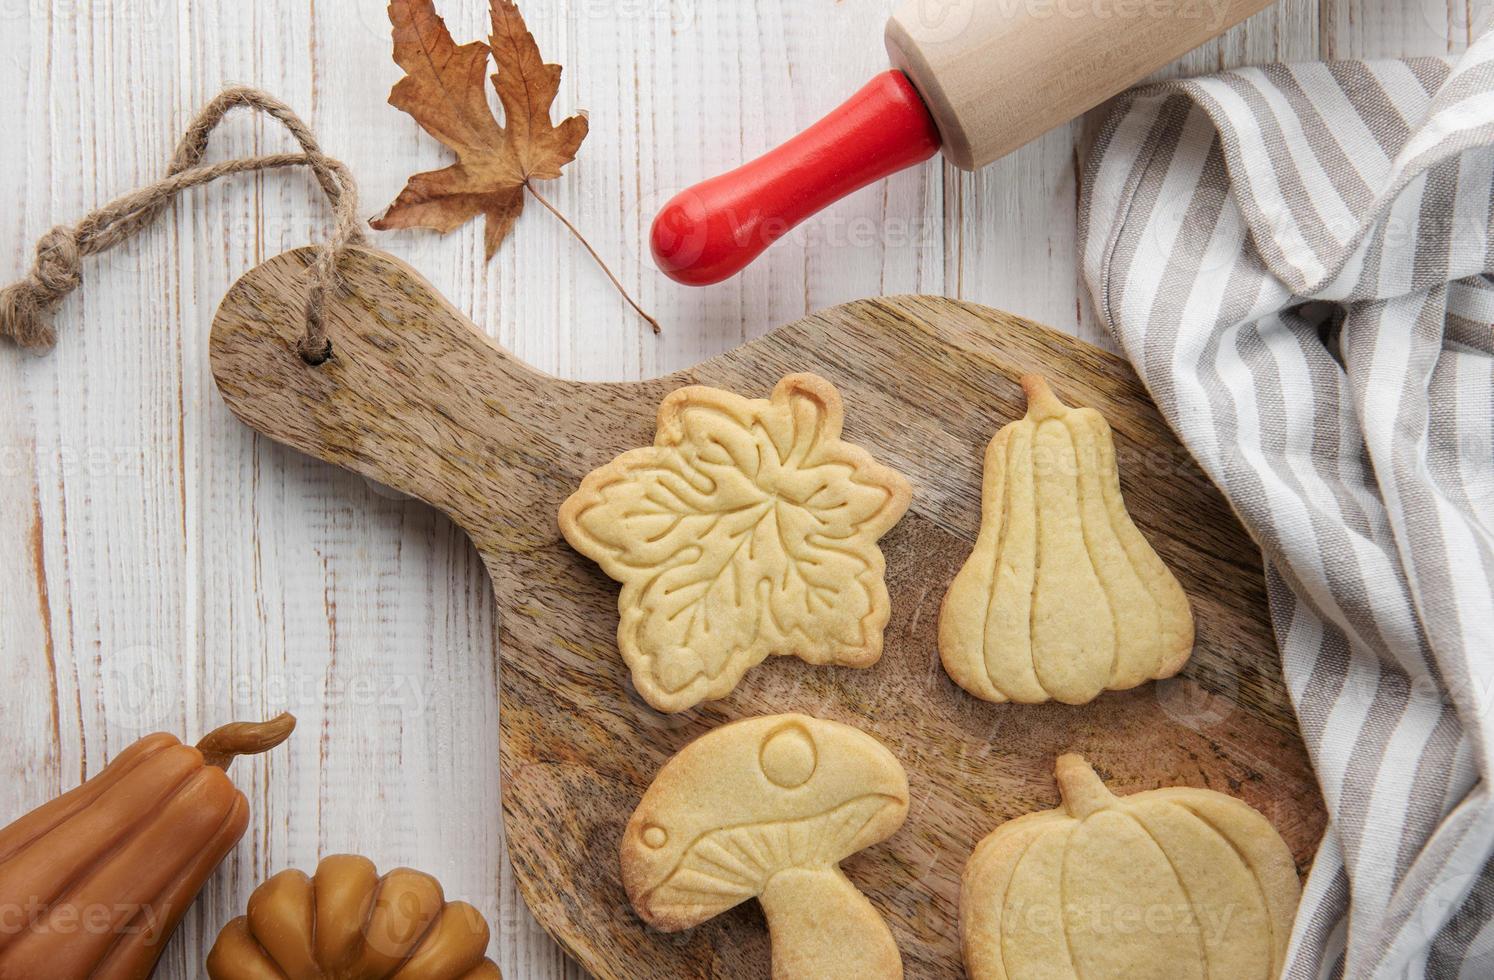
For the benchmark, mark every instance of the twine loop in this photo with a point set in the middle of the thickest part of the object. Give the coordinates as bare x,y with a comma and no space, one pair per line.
24,305
27,306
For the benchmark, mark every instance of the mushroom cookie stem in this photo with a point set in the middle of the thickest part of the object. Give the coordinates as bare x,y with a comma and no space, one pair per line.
767,808
1062,597
749,528
1170,884
824,929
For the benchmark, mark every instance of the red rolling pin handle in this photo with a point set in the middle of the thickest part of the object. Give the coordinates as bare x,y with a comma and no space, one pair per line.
712,230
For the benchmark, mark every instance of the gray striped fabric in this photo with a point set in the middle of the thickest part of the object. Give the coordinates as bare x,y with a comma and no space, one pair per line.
1297,260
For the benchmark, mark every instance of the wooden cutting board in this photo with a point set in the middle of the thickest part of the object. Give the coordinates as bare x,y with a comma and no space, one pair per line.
419,399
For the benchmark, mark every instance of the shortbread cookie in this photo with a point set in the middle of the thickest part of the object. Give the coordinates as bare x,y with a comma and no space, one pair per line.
1062,597
748,528
1171,884
767,808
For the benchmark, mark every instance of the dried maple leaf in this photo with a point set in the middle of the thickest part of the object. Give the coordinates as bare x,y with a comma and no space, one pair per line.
496,163
443,90
748,528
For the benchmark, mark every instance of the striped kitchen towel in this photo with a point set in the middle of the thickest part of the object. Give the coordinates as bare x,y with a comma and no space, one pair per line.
1297,260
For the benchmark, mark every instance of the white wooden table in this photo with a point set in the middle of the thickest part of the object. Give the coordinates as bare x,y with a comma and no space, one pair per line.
161,567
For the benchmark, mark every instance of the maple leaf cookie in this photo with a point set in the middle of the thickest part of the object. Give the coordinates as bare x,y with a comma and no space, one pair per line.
748,528
1062,597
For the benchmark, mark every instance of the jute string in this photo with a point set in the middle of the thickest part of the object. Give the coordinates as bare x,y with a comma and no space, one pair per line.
26,306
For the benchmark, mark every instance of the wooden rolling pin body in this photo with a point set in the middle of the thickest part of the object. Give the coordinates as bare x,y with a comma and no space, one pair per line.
996,74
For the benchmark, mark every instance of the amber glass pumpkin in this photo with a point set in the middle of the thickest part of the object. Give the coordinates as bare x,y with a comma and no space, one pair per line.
348,923
93,883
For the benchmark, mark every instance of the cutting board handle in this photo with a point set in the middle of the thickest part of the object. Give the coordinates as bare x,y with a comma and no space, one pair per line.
414,396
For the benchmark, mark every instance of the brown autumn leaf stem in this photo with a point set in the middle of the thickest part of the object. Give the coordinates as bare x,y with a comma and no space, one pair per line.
582,239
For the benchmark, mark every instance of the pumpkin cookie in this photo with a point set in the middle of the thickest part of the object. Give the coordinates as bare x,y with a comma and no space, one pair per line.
1062,597
767,808
748,528
1171,884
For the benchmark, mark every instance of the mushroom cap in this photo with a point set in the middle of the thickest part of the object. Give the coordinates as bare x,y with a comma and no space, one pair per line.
750,799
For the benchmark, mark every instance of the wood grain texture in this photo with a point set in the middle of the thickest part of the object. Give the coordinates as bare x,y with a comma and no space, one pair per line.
163,567
419,399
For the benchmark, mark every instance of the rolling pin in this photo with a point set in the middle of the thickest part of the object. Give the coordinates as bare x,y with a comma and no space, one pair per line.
973,78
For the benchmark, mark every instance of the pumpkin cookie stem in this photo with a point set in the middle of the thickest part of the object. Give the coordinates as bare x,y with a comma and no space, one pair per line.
221,745
1041,402
1082,791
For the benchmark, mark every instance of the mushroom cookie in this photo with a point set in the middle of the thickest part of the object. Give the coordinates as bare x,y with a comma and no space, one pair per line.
748,528
767,808
1062,597
1172,884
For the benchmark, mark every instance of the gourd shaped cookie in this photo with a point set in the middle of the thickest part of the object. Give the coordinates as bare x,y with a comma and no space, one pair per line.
767,808
748,528
1062,597
1171,884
